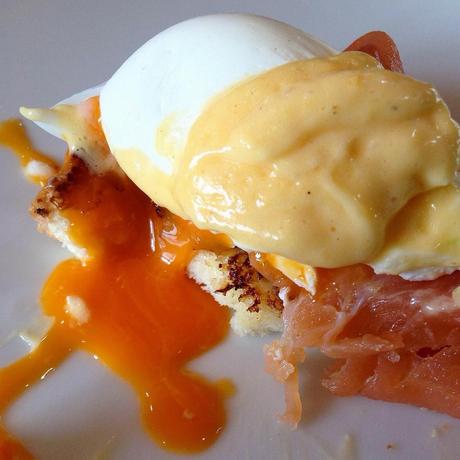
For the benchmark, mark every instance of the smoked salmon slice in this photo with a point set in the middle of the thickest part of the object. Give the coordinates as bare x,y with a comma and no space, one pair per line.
393,339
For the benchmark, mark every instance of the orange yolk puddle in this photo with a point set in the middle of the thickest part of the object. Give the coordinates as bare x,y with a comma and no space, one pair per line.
144,318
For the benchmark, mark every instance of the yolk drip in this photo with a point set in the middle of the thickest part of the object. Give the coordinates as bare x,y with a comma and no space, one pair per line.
13,137
145,319
11,449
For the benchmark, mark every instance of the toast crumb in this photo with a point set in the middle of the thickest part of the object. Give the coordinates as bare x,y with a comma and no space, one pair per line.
53,198
233,282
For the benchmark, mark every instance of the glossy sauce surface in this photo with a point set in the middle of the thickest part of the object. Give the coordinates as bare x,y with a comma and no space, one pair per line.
143,317
313,159
338,138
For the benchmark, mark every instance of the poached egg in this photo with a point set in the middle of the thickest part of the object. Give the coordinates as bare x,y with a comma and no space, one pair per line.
252,128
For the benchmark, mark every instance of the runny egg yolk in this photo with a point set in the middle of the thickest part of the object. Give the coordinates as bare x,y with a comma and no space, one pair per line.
142,316
13,137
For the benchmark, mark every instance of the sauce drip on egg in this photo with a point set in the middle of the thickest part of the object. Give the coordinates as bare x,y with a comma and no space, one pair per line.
132,306
311,160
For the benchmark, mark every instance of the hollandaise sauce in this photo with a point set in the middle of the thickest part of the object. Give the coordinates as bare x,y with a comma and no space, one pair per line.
311,160
138,311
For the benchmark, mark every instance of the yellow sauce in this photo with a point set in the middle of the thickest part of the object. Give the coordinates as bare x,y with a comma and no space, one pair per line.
425,234
311,160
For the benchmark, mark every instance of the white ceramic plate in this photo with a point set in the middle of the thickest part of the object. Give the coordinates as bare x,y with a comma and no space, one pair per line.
52,49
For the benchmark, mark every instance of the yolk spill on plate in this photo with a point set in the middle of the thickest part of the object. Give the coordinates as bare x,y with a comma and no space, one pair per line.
13,136
144,318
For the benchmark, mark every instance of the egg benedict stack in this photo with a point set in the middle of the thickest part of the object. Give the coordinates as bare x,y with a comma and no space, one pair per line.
326,184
